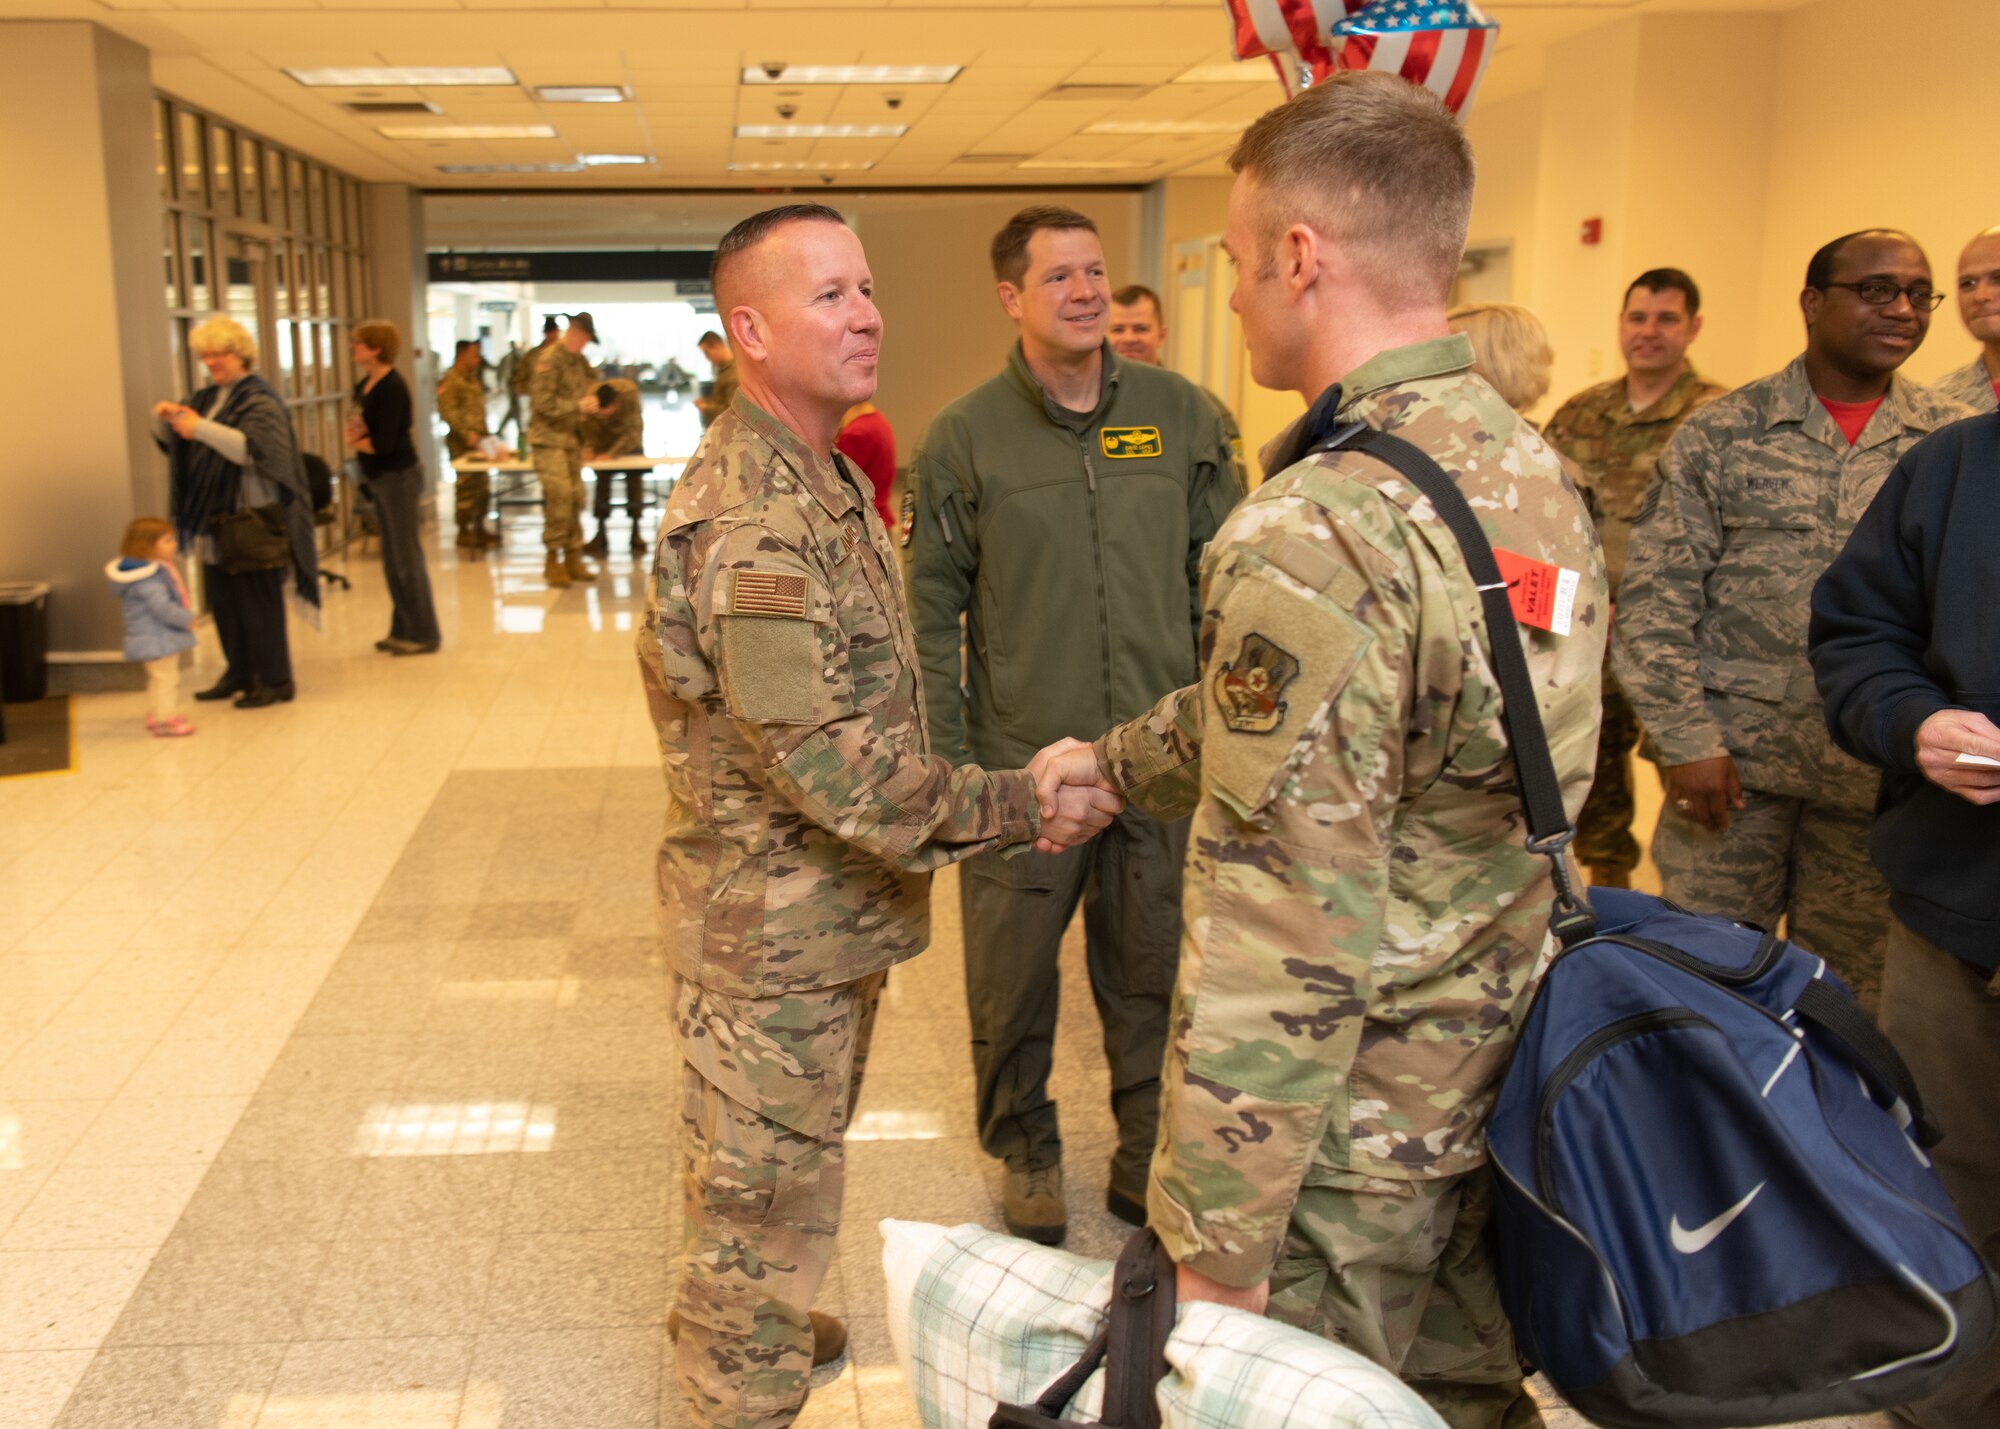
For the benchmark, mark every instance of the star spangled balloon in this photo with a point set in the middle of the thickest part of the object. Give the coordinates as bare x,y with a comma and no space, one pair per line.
1443,45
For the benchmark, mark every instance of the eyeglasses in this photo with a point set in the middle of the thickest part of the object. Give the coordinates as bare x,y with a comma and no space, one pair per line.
1880,292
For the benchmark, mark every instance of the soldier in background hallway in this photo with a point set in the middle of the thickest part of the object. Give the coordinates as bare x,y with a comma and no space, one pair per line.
1977,384
1138,333
617,428
715,348
562,398
1765,819
1615,433
461,400
805,809
523,373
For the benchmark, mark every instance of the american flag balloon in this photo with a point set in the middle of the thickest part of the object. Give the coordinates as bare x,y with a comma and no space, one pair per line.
1443,45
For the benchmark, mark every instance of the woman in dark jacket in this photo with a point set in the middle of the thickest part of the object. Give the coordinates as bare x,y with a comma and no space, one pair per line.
378,431
232,451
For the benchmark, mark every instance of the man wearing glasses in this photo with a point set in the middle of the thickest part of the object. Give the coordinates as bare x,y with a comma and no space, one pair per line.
1765,819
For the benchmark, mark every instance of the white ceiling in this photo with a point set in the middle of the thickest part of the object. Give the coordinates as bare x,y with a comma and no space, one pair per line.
681,60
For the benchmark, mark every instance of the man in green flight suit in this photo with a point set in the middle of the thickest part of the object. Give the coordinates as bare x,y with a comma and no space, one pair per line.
1061,508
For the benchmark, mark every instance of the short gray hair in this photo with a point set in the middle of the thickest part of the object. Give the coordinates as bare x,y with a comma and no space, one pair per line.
1374,162
753,231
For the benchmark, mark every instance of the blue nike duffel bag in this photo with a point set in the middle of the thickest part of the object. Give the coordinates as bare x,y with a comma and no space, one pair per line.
1713,1203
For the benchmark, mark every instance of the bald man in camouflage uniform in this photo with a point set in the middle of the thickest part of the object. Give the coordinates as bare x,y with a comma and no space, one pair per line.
560,398
805,813
1977,384
1765,819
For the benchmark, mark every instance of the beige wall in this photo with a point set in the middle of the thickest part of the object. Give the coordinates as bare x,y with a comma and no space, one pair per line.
85,285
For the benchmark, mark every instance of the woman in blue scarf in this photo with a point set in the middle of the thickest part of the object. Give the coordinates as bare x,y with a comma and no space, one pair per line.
232,450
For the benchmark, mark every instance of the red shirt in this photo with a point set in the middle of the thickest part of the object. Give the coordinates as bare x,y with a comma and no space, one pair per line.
871,445
1850,417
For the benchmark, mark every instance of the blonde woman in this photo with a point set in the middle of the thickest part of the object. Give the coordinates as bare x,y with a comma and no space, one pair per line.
231,449
1510,349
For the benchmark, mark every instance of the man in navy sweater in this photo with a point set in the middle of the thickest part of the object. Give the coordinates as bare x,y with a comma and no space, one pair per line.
1905,647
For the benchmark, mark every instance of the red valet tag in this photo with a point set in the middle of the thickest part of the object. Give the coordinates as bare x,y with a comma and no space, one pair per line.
1542,595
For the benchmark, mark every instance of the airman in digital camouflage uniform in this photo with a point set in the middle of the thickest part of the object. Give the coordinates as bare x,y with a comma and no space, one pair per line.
1765,819
560,397
616,428
805,809
1615,433
461,400
1977,384
1364,923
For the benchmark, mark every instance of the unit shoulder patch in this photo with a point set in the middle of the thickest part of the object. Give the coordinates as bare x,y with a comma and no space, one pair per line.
1250,689
1129,443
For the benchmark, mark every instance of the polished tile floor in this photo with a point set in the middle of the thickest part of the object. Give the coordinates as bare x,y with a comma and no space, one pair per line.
334,1083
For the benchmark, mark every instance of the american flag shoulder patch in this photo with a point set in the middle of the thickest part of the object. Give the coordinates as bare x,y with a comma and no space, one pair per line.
785,594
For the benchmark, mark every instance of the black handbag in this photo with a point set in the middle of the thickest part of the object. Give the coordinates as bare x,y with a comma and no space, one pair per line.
252,540
1132,1347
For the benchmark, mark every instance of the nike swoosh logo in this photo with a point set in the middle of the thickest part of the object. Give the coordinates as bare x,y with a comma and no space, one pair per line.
1691,1242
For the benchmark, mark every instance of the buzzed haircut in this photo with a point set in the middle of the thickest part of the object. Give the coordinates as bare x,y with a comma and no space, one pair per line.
1010,244
463,344
708,339
1374,163
1133,294
1665,280
607,395
754,230
1819,268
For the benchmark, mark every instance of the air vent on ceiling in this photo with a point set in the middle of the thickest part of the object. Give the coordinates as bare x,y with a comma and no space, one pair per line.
391,106
1009,159
1101,93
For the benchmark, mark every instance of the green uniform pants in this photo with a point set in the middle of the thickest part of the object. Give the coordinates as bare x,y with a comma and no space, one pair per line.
472,499
1604,826
1014,912
769,1085
1786,858
1399,1271
560,470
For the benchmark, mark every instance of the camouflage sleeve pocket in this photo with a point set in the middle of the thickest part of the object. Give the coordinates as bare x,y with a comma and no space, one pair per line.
1280,660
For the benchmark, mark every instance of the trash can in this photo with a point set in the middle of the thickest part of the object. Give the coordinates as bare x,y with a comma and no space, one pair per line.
24,640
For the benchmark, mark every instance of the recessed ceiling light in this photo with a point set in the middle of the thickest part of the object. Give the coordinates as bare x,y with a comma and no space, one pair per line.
582,93
821,131
1229,72
594,160
1163,126
427,75
769,166
1086,164
510,168
467,131
853,74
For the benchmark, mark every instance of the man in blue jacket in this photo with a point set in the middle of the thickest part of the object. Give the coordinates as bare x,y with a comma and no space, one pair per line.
1905,647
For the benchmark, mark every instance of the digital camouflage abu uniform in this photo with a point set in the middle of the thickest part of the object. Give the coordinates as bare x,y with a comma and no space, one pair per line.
619,432
1971,386
1364,923
805,813
1615,450
555,436
461,399
1758,495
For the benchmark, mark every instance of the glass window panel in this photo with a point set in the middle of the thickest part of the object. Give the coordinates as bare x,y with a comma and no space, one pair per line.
163,148
171,250
316,187
198,248
328,369
177,357
356,214
190,154
336,263
336,209
274,187
281,275
295,190
222,167
250,184
286,377
322,281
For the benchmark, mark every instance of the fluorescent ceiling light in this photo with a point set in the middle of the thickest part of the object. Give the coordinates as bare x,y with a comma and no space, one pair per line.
582,93
510,168
821,131
1230,72
429,76
467,131
1086,164
853,74
769,166
595,160
1164,126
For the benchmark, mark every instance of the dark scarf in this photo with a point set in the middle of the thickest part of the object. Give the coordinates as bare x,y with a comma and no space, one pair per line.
206,483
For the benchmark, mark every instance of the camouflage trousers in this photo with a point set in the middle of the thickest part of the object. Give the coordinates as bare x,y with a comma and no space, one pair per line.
769,1085
472,499
560,471
1790,859
1399,1271
1604,826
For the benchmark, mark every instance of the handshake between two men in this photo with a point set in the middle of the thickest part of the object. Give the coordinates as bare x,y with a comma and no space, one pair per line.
1077,802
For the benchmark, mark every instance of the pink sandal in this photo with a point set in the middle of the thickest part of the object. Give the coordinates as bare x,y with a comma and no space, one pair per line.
170,728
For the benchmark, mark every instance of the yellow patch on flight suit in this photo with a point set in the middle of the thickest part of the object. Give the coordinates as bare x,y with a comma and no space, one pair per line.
1284,656
770,654
1127,443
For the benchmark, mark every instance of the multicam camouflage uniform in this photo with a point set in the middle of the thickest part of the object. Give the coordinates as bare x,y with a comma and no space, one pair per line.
1364,924
1970,386
461,399
1615,450
555,436
619,432
1759,491
805,812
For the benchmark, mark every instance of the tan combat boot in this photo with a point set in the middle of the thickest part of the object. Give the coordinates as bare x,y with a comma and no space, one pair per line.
1031,1203
578,568
554,573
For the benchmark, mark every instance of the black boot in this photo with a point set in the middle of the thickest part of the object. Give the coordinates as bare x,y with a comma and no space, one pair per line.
260,694
222,689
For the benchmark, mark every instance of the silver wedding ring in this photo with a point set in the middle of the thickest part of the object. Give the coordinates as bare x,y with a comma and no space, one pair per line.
1683,804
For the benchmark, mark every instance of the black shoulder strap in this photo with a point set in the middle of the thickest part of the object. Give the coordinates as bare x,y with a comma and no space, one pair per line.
1549,828
1844,1021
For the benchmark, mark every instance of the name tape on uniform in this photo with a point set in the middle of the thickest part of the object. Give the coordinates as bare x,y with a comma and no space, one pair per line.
1543,596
